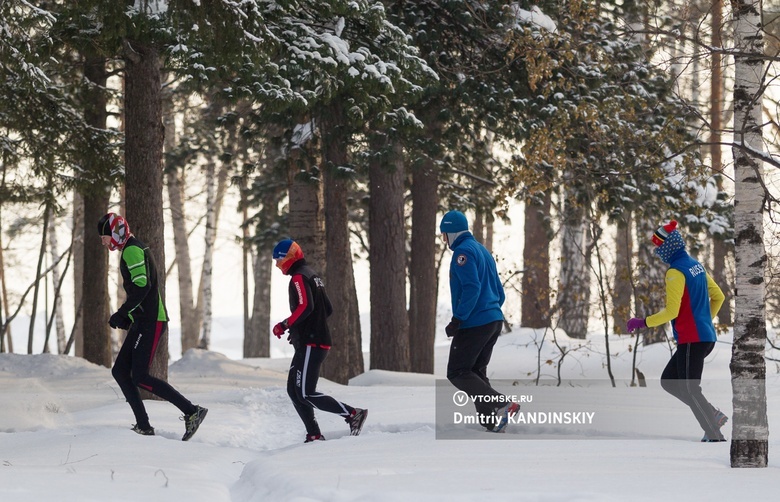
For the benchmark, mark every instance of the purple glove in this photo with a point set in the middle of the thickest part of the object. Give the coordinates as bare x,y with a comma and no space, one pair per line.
635,323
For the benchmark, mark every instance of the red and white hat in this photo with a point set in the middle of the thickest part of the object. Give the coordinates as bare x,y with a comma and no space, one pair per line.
116,226
660,235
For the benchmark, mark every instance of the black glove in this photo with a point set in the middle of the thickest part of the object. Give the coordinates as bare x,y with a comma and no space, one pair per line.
452,327
119,320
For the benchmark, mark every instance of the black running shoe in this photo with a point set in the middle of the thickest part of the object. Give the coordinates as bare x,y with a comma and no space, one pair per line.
193,421
356,421
144,431
310,438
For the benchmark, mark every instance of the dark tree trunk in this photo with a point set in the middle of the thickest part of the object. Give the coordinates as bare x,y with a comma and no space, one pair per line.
257,337
95,345
649,282
346,357
144,136
622,292
95,305
721,249
387,257
306,214
478,228
535,303
423,281
257,341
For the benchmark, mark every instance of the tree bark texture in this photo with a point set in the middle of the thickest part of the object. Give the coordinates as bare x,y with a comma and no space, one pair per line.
189,320
59,323
573,290
622,290
721,249
387,257
535,301
346,356
650,280
95,343
78,272
144,136
423,280
306,205
208,256
750,430
257,338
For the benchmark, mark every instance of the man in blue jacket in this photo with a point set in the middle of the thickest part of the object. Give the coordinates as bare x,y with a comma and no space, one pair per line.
477,297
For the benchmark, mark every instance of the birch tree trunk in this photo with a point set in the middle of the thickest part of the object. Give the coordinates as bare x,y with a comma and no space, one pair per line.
750,431
573,291
208,255
3,315
78,272
257,339
219,197
190,329
38,278
59,324
6,345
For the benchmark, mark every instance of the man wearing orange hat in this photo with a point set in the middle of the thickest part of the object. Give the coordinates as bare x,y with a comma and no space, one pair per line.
693,299
309,334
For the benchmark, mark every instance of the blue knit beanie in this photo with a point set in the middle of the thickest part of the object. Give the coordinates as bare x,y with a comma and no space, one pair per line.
453,222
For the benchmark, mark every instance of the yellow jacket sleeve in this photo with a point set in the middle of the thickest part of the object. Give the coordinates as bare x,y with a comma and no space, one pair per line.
675,287
716,296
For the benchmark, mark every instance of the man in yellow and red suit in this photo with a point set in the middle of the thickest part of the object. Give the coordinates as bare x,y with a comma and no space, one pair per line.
693,299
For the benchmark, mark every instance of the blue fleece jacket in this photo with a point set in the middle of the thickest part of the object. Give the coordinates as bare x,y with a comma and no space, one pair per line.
476,290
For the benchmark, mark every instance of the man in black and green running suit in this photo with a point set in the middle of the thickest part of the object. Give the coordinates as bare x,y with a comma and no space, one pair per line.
144,317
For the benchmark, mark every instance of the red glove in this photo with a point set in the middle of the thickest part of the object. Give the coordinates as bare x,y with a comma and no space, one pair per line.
280,328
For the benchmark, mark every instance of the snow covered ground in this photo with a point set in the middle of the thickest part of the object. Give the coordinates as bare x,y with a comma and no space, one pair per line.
65,435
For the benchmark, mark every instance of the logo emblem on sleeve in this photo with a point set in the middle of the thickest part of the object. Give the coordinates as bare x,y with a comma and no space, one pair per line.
461,260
